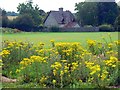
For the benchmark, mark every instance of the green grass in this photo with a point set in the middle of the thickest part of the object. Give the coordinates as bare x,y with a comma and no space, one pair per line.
36,37
17,85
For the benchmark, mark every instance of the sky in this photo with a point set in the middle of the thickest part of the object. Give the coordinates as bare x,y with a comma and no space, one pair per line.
46,5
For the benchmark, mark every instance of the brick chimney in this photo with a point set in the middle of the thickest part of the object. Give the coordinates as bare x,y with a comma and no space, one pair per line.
60,10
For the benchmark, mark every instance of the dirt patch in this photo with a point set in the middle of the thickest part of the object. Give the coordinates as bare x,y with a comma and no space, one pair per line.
7,80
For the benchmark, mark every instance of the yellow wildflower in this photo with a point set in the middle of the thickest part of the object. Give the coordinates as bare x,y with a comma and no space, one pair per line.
54,81
17,71
54,72
91,42
43,79
52,41
110,45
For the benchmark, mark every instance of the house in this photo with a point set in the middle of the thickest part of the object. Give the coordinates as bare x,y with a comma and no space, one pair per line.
60,19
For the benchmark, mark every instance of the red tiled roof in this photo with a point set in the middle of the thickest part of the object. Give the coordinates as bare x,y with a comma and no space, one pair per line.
70,24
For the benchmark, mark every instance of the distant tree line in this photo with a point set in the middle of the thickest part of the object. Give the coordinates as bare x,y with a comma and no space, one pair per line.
9,13
97,13
30,17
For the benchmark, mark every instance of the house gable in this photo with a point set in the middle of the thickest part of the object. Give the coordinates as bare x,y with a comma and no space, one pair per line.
50,21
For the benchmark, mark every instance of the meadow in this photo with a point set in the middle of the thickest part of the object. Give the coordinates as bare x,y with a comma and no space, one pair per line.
61,60
36,37
12,17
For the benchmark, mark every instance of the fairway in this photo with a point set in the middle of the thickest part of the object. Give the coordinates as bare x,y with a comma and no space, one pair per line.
36,37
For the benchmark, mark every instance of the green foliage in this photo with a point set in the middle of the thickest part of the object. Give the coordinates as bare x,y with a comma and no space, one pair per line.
4,19
20,85
36,37
107,12
54,29
96,13
86,13
24,22
106,28
33,11
15,53
9,30
88,26
117,23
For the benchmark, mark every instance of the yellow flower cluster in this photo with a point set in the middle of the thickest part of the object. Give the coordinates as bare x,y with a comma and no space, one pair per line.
93,68
26,61
112,62
89,64
4,53
1,63
104,74
66,69
18,70
117,42
91,42
43,79
110,45
56,65
74,66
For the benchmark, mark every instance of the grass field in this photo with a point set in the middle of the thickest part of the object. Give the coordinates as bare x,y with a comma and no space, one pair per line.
37,37
12,17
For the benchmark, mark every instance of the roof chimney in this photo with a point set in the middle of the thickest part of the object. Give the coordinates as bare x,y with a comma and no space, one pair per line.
61,10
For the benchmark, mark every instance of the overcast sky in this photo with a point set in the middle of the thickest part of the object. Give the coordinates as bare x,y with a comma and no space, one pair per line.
46,5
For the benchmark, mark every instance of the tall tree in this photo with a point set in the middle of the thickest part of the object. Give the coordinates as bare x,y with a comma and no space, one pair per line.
107,12
117,23
0,17
4,19
86,13
96,13
30,9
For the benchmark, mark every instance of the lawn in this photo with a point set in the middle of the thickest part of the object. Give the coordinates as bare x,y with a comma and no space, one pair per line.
37,37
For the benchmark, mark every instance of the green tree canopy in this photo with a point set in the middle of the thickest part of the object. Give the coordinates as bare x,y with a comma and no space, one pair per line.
96,13
24,22
117,23
86,13
4,19
31,10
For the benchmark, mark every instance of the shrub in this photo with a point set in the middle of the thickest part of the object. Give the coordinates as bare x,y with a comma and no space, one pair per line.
88,26
4,21
24,22
9,30
106,28
54,29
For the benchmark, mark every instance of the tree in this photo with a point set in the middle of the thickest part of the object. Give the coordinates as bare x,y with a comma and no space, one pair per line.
96,13
4,19
107,12
0,17
9,13
32,11
24,22
86,13
117,23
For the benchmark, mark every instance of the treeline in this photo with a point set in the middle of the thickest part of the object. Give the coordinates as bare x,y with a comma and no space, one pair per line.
30,17
104,15
9,13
